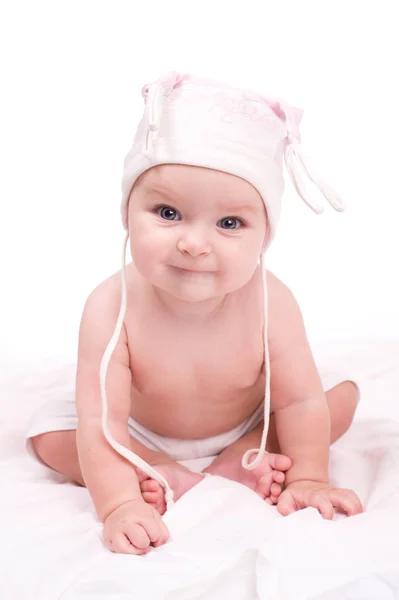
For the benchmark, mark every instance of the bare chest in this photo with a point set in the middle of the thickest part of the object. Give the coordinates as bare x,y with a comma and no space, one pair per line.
196,363
193,381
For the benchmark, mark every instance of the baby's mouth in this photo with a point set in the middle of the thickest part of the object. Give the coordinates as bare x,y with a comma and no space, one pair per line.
192,270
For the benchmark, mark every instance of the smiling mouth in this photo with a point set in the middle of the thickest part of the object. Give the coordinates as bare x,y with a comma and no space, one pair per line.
187,270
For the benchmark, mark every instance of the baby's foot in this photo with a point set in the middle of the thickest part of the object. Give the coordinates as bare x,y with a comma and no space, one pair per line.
180,479
266,480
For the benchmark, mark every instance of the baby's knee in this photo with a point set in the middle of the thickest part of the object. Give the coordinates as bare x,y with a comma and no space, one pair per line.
350,393
345,394
48,445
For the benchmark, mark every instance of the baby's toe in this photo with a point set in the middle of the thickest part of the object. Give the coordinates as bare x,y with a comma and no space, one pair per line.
279,462
141,476
150,497
149,485
275,490
263,485
278,476
156,500
160,505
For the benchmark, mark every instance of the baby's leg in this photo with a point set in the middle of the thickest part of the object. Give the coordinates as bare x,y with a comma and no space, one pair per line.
58,450
268,477
342,401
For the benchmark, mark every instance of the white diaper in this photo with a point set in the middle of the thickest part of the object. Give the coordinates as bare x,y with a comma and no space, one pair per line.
60,415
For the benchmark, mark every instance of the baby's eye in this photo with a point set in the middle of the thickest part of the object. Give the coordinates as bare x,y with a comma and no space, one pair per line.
167,213
230,223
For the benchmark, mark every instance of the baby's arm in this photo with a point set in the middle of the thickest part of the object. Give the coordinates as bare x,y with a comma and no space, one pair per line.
301,411
111,480
297,396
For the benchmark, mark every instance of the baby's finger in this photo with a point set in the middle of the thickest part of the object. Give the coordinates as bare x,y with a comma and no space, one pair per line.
121,545
286,504
323,505
346,501
164,536
155,529
137,535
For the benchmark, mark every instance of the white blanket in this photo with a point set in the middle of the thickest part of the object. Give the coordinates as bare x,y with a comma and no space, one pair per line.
226,542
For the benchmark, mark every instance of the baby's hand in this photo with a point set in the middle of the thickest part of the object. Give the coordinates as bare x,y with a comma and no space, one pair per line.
133,527
301,494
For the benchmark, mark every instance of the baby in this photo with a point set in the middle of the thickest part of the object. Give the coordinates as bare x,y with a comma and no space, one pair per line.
208,344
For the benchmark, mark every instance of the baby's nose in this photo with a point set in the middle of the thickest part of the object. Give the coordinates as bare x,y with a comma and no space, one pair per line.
194,243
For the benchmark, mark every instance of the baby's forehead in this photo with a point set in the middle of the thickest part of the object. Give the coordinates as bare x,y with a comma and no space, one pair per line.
185,182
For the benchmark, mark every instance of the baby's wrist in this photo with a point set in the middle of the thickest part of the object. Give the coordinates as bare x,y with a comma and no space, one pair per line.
297,480
318,475
111,509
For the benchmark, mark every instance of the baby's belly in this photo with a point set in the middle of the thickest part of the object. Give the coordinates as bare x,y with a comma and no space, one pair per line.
191,416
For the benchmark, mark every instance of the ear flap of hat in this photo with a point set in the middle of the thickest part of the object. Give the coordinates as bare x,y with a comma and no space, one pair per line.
298,165
291,115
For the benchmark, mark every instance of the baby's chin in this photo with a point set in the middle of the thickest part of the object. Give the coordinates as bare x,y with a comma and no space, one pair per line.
194,293
193,287
199,290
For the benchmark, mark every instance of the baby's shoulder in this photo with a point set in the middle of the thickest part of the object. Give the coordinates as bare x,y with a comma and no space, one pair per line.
108,293
103,304
277,290
284,313
100,315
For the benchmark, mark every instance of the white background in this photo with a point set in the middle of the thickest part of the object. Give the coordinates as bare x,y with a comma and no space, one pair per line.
71,77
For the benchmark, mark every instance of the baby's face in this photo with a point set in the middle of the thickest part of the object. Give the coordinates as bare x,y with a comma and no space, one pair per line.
195,233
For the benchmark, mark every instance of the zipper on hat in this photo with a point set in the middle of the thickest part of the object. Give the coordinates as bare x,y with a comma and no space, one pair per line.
152,94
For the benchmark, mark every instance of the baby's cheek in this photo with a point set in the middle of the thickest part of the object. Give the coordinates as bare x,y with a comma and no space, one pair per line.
238,272
244,260
247,267
141,251
143,256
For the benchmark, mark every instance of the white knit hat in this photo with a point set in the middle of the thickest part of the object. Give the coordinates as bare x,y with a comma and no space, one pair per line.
205,123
